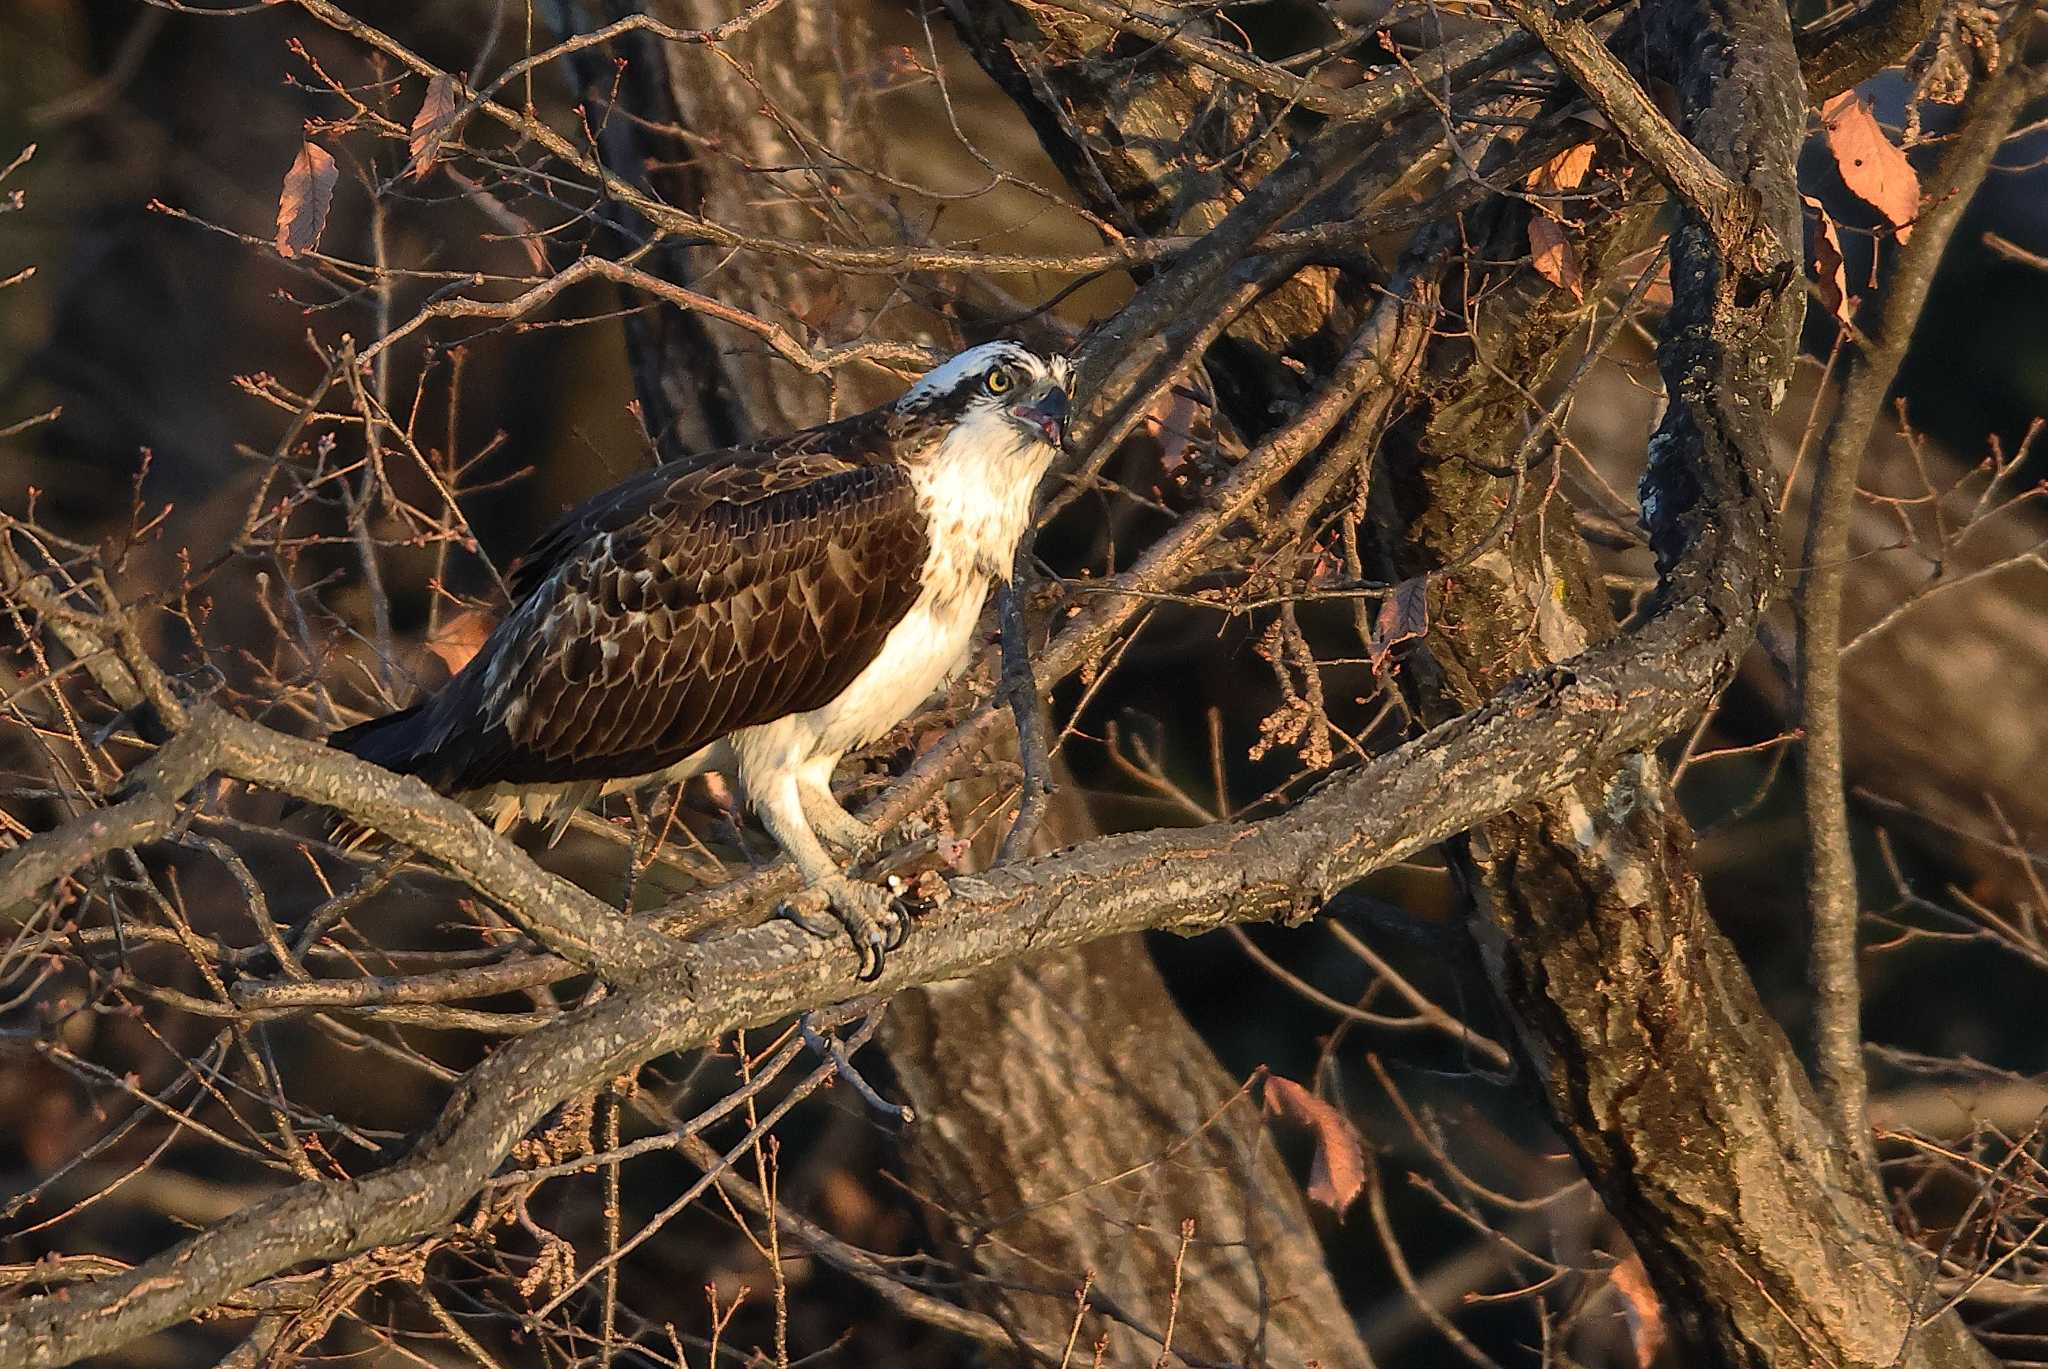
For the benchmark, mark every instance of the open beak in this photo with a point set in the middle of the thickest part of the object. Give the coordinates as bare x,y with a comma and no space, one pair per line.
1045,415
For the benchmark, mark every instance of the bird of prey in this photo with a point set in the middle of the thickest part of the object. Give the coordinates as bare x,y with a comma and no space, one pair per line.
760,612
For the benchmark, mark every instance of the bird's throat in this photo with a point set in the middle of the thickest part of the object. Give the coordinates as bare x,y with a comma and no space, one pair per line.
977,491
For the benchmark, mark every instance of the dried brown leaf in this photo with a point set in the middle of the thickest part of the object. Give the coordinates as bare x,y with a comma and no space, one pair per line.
1830,274
820,312
460,638
302,203
1171,423
431,126
1551,253
1872,165
1403,616
1338,1171
1566,171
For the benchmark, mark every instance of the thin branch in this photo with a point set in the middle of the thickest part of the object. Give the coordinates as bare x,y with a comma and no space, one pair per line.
1020,687
1832,894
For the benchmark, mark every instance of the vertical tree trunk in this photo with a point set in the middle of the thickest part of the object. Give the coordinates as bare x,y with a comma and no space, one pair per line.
1077,1122
1768,1242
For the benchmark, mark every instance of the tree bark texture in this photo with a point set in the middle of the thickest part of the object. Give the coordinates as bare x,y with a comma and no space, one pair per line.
1079,1122
802,61
1929,753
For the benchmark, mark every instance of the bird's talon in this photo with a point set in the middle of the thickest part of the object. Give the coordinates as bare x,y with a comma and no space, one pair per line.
868,914
873,947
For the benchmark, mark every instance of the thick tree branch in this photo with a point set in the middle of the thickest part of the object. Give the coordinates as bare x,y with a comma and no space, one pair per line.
1365,102
1540,733
576,925
1844,50
1537,735
1706,505
1685,1103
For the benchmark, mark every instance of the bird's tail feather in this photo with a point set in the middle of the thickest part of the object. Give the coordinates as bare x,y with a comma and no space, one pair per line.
395,741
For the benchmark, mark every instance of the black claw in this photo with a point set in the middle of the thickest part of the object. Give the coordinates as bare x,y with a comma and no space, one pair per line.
815,926
872,936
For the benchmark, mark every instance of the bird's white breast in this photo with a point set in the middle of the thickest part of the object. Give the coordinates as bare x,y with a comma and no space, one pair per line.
976,491
921,655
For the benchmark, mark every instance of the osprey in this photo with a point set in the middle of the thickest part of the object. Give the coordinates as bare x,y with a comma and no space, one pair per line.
760,612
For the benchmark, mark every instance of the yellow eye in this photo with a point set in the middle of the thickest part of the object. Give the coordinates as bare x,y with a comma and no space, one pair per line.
1000,381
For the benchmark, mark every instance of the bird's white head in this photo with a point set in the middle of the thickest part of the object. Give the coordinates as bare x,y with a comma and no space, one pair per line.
999,390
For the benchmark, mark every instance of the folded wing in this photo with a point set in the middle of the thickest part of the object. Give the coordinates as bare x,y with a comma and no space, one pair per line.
666,613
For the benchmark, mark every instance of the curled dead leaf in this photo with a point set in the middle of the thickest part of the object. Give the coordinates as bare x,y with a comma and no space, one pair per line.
1403,616
1550,245
1566,171
432,125
1171,423
1640,1306
821,312
1830,274
302,203
459,639
1338,1171
1551,253
1872,165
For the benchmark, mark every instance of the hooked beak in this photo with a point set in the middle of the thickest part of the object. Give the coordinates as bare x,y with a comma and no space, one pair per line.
1044,416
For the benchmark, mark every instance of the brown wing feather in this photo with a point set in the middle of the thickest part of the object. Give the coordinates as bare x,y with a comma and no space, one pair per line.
677,607
861,440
